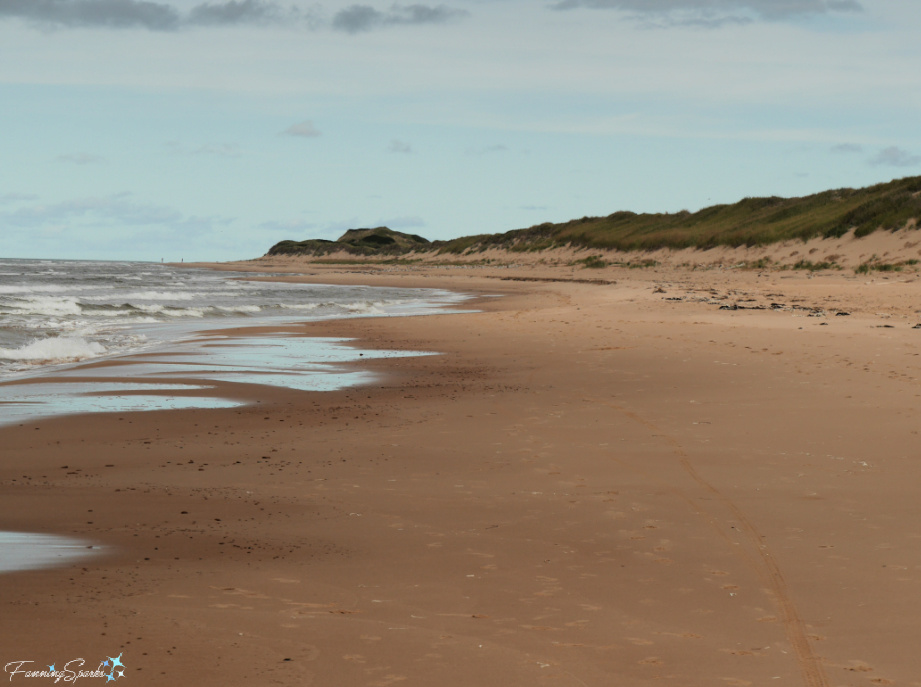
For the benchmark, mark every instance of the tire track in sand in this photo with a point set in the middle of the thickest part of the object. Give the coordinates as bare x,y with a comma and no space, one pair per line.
810,667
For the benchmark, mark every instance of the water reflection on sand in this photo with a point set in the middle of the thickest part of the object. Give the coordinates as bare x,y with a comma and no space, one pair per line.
302,363
29,550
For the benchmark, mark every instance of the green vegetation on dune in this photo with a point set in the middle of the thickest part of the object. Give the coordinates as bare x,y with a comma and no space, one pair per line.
750,222
359,242
875,264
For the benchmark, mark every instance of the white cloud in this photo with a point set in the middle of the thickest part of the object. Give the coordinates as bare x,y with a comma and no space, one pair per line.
487,150
304,129
81,159
895,157
116,14
237,12
115,226
117,209
161,16
17,197
714,13
145,14
398,146
360,18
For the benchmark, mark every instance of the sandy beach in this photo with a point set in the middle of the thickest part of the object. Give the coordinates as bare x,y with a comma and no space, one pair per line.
619,477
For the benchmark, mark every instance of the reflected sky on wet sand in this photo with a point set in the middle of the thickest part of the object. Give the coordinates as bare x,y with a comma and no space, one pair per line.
28,550
302,363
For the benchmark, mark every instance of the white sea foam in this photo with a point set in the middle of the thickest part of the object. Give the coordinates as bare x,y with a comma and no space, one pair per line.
34,288
46,305
167,311
364,307
99,309
159,296
114,313
184,312
56,349
240,308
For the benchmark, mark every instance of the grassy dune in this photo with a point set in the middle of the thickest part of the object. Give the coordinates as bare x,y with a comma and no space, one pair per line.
359,242
750,222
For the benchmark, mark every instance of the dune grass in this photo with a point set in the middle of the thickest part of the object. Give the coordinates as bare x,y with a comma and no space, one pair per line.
750,222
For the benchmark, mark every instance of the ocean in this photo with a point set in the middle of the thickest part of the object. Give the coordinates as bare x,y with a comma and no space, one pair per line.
58,315
60,312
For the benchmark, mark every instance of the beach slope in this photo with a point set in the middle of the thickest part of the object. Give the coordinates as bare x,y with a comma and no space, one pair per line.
598,481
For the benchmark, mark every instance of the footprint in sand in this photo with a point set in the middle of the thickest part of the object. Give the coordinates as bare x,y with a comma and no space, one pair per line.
237,606
682,635
651,661
234,591
480,554
549,591
638,641
859,667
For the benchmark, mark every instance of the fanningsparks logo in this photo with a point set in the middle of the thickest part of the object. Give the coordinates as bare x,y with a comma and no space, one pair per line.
109,668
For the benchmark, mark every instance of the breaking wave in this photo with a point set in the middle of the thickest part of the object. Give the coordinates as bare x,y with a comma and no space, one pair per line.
56,350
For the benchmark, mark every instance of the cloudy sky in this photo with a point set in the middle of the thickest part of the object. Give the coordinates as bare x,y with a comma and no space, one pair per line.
181,129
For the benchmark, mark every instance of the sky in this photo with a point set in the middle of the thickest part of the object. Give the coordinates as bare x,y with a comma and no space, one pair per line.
190,130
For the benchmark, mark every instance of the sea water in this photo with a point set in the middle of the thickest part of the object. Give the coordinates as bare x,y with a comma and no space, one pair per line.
56,312
149,323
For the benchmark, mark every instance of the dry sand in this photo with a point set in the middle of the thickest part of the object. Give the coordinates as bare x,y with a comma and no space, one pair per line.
593,485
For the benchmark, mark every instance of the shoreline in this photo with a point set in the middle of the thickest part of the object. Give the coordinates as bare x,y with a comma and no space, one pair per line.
591,485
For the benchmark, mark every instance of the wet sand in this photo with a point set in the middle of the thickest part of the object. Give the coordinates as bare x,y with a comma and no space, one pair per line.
592,485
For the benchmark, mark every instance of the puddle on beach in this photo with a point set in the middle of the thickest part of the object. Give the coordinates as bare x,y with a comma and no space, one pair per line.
30,551
302,363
